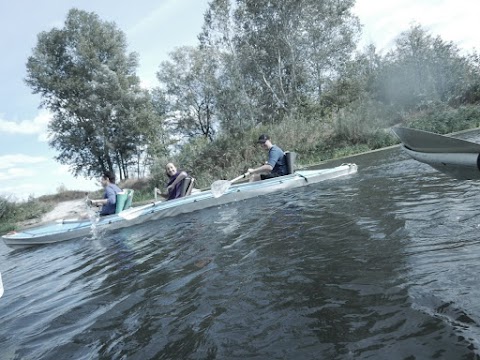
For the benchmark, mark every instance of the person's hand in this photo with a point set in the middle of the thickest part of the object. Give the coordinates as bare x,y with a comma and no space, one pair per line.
93,203
250,171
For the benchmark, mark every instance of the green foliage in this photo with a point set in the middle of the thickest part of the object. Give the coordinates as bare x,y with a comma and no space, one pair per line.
272,57
102,118
443,119
285,68
12,212
423,69
62,188
359,123
227,157
190,83
381,138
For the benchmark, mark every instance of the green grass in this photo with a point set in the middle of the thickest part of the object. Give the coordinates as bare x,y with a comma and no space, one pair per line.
11,213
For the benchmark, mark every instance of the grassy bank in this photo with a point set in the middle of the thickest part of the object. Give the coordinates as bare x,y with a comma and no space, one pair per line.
14,213
347,132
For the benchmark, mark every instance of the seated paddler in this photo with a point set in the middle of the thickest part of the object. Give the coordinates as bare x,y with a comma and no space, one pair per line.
109,200
174,185
274,166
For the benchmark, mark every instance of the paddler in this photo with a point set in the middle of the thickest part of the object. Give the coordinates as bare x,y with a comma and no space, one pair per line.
109,200
274,166
174,186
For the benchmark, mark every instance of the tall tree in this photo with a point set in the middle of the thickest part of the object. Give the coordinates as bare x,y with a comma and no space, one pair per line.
422,69
237,107
286,50
102,117
189,83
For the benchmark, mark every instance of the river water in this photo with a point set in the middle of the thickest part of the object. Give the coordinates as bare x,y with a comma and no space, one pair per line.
382,264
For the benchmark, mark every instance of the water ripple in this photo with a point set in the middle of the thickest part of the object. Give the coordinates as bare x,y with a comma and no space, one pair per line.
379,265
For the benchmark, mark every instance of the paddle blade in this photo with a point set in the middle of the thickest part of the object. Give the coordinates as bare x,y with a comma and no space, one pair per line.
220,187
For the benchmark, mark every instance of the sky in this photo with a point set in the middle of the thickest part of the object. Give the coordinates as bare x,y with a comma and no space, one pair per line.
153,30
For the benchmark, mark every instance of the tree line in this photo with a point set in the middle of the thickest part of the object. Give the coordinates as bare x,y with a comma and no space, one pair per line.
289,67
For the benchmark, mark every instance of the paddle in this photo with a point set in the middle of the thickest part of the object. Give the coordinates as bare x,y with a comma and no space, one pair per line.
220,187
135,212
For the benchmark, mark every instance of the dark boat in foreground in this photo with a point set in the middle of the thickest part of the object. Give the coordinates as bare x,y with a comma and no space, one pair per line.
455,157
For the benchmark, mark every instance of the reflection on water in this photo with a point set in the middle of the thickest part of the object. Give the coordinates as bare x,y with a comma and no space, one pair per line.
378,265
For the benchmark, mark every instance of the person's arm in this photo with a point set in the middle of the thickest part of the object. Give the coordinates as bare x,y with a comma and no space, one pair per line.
179,178
99,202
111,198
159,192
264,169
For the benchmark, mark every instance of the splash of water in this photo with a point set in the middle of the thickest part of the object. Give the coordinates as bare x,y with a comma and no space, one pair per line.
93,216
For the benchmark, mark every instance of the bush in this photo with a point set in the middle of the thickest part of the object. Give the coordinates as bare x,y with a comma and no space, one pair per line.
12,213
443,119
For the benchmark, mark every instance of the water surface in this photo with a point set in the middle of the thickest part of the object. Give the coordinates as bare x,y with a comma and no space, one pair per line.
382,264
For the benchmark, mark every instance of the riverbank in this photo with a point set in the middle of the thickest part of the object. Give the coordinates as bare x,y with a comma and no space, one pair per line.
71,204
62,210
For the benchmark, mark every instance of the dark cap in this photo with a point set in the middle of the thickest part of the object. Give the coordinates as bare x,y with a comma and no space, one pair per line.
263,138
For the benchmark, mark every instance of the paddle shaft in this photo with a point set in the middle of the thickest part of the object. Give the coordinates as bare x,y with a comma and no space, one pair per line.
239,178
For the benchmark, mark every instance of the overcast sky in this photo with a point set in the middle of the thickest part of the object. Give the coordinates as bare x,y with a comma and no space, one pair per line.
153,30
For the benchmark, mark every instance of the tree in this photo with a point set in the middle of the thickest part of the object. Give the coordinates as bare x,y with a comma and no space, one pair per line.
237,108
424,69
102,117
285,50
189,83
357,81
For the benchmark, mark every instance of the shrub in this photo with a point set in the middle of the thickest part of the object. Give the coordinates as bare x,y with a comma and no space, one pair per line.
443,119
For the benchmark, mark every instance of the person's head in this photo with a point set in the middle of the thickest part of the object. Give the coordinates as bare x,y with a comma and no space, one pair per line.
107,178
170,169
264,141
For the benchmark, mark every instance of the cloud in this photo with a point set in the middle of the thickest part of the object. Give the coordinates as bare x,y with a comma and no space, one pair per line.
20,192
38,176
384,20
13,160
16,173
28,127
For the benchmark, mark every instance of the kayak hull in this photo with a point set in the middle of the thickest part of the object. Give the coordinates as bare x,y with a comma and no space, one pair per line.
462,166
454,157
428,142
71,229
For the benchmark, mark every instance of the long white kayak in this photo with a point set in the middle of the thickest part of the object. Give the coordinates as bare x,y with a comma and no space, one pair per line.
72,229
454,157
